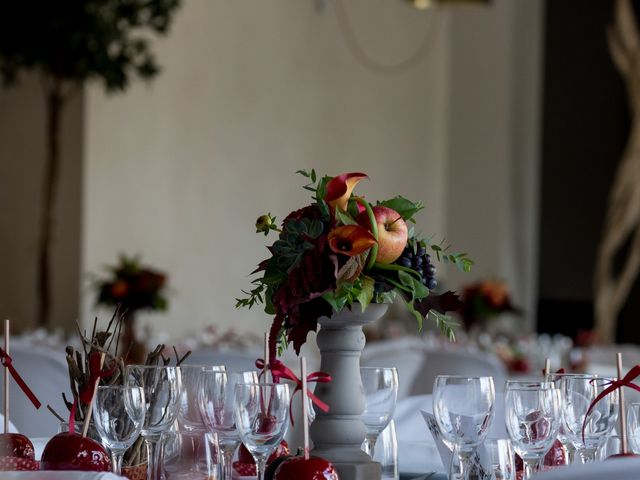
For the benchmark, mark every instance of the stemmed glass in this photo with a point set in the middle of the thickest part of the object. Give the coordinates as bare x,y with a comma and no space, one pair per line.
161,385
633,426
463,408
532,414
381,391
119,415
578,392
216,395
190,418
262,415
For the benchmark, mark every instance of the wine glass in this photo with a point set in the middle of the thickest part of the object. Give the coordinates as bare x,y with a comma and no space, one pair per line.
190,417
532,414
633,426
578,393
567,444
381,391
216,395
499,454
118,416
463,408
161,385
262,415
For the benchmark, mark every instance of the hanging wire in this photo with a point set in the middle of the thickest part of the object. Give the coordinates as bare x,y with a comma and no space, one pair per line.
366,60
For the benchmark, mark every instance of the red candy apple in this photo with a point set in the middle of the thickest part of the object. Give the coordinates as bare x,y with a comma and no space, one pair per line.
392,232
16,453
246,465
313,468
70,451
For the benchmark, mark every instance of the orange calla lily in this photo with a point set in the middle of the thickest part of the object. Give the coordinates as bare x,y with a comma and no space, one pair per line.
351,240
339,189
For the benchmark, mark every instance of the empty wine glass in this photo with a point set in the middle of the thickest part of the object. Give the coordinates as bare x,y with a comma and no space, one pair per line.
118,416
463,408
532,414
262,416
633,426
216,396
190,418
381,391
567,444
578,393
161,385
500,459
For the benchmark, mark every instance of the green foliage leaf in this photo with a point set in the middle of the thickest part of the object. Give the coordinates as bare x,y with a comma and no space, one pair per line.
345,218
366,291
406,208
445,324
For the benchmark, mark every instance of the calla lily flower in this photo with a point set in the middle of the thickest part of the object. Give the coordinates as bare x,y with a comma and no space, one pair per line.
351,240
339,189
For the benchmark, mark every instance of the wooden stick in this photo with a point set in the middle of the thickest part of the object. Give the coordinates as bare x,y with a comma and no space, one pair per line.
305,406
265,371
6,378
623,412
547,367
87,418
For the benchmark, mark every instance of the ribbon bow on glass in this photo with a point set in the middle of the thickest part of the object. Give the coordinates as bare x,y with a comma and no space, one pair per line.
8,363
611,386
280,370
86,394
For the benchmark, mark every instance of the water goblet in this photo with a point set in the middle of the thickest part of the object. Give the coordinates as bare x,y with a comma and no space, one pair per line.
578,393
262,415
381,392
633,426
161,385
190,417
216,396
118,416
463,408
500,457
532,414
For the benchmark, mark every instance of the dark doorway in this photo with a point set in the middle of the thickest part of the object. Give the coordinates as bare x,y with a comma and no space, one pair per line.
585,126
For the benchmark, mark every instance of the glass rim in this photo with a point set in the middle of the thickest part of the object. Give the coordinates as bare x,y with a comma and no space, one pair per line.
119,387
204,366
464,377
589,377
379,368
260,384
150,367
529,385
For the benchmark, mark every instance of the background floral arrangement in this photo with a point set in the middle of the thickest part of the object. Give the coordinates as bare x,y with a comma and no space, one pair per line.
133,286
483,300
341,250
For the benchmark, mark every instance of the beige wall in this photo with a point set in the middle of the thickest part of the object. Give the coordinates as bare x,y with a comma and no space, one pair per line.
252,91
22,158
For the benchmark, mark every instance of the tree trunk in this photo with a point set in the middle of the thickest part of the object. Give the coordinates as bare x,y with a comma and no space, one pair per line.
54,108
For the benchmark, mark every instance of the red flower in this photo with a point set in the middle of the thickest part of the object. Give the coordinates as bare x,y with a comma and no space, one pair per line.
339,189
351,240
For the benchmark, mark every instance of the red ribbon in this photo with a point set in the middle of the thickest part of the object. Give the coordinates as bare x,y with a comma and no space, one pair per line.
8,363
612,385
94,374
72,417
280,370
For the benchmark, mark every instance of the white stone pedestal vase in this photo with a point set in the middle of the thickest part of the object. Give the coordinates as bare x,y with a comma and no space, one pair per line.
338,435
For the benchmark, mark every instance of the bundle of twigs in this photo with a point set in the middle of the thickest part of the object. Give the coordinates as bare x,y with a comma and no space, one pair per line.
82,372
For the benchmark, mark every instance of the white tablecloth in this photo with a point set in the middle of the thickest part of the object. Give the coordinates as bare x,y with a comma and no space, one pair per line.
618,469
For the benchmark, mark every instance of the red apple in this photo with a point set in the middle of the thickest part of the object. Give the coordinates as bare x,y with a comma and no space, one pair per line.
313,468
246,465
16,453
70,451
392,232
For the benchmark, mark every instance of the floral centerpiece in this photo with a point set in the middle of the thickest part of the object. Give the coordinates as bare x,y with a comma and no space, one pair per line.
132,287
484,300
344,252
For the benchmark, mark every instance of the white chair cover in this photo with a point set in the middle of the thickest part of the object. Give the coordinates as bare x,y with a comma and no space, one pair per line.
618,469
46,373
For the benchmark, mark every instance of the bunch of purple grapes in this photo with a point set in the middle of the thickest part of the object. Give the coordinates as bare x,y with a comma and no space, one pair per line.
420,261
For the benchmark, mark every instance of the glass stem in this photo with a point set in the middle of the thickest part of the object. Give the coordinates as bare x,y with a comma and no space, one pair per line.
261,463
370,443
116,459
464,459
228,449
530,467
588,455
153,467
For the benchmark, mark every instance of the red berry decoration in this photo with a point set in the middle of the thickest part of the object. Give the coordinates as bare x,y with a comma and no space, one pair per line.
70,451
16,453
313,468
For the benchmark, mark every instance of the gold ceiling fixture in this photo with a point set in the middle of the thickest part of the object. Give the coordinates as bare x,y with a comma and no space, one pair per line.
425,4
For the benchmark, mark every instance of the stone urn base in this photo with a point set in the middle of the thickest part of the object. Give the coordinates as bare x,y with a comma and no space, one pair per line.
338,434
